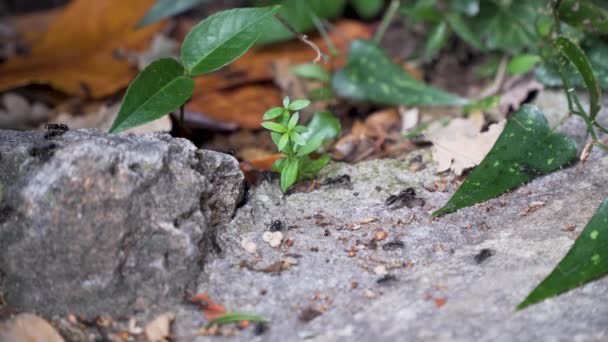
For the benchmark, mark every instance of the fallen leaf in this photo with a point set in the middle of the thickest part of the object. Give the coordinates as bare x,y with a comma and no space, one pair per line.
28,327
158,330
77,54
244,105
460,145
211,309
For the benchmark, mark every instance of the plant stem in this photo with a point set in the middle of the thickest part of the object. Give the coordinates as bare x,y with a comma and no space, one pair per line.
303,38
386,21
333,51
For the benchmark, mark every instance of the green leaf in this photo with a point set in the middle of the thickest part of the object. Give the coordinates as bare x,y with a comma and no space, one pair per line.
367,9
223,37
586,261
298,104
464,32
289,175
584,15
286,101
321,93
167,8
323,126
310,167
293,121
297,138
273,113
300,129
597,52
525,149
311,71
423,10
579,59
436,40
299,14
283,141
279,164
235,317
158,90
273,126
371,75
522,64
504,25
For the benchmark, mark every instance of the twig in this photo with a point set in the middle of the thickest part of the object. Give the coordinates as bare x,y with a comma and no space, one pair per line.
498,80
303,38
386,21
333,51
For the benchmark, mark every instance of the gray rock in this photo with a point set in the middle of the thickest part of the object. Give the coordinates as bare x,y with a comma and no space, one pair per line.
92,223
456,278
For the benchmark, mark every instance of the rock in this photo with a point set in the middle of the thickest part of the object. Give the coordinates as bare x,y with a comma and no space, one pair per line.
92,223
28,328
436,289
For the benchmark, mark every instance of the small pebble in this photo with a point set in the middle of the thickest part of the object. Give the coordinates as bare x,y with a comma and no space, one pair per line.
274,239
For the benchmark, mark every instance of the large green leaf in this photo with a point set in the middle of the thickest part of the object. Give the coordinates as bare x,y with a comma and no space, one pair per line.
505,25
584,15
223,37
158,90
300,14
597,52
167,8
586,261
371,75
526,148
580,61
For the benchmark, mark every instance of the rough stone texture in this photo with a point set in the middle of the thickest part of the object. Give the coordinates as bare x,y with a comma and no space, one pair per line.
436,289
92,223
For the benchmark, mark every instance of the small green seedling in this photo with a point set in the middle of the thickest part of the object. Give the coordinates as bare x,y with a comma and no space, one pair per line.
298,142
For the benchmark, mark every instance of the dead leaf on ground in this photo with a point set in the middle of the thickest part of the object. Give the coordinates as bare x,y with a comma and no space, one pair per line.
367,137
211,309
460,145
243,105
516,91
77,54
28,327
159,329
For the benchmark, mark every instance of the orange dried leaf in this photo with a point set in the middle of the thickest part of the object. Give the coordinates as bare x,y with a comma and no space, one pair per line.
211,309
244,105
78,52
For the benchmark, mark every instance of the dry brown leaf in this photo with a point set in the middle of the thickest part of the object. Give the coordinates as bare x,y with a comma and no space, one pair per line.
244,106
460,145
159,329
78,52
28,327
